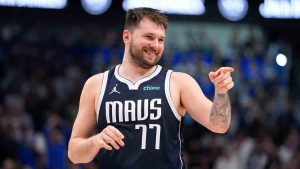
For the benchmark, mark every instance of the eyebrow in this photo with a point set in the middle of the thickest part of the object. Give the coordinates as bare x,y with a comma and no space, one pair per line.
152,34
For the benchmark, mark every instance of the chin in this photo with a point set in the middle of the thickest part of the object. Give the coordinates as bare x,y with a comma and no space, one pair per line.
147,66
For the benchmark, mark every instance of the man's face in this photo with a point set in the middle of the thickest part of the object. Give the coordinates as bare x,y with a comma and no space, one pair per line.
147,43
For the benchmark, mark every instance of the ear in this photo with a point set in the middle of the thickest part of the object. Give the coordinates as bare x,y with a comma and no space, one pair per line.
126,36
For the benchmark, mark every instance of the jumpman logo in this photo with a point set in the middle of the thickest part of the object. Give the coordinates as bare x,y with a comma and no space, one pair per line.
114,90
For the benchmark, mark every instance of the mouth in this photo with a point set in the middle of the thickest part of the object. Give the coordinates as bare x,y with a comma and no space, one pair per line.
150,53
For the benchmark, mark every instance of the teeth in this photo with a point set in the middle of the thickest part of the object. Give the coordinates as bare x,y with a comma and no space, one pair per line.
150,53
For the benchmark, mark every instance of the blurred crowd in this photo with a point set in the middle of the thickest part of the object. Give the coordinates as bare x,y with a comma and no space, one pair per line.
43,68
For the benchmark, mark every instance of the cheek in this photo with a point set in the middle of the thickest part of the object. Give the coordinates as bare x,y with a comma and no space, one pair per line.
162,47
140,44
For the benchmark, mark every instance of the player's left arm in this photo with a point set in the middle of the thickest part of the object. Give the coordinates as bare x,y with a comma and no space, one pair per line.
214,115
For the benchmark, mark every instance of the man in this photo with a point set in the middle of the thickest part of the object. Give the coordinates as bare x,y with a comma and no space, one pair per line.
138,107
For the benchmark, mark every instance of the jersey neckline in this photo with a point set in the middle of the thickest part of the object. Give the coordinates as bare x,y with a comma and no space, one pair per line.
135,86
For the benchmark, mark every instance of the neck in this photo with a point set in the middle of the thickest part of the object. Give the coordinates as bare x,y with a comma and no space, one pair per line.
133,72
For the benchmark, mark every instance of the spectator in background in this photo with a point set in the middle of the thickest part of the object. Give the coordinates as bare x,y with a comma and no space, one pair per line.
57,134
8,145
10,163
32,147
228,159
289,148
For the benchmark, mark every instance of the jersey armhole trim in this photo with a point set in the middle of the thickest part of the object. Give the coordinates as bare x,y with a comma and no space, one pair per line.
168,95
101,94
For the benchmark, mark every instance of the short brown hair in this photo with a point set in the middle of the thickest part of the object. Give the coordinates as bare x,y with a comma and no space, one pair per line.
135,15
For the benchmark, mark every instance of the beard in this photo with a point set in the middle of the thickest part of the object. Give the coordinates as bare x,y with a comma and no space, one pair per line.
139,59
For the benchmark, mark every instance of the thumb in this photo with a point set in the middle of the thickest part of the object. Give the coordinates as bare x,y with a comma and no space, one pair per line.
212,75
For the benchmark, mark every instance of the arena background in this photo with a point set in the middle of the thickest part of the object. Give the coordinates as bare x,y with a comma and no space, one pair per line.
46,55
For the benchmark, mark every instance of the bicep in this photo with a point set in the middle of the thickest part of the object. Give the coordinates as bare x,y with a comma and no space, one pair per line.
85,122
195,102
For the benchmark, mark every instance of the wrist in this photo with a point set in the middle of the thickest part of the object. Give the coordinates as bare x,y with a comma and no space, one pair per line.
95,141
221,94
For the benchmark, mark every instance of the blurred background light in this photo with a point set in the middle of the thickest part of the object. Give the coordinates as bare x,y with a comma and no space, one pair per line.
233,10
281,59
184,7
95,7
289,9
48,4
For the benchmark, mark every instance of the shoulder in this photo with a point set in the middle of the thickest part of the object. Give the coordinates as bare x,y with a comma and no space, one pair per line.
93,84
94,80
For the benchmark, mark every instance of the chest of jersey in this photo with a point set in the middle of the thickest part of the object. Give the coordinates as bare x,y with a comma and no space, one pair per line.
143,114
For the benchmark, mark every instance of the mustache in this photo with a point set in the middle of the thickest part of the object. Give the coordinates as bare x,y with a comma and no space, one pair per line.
150,49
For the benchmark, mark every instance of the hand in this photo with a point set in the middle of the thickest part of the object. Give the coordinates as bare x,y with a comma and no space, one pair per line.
108,138
222,79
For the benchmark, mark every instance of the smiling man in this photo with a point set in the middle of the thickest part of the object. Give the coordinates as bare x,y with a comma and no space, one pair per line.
131,116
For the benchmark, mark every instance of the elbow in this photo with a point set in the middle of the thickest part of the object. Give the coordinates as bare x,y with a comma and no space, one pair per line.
71,157
79,152
220,130
75,157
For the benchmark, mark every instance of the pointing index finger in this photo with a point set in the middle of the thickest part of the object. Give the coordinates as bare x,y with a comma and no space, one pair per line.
226,69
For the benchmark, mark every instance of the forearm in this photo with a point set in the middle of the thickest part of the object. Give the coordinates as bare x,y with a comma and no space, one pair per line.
220,114
82,150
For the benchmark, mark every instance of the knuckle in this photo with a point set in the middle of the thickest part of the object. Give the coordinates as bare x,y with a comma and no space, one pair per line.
104,139
229,81
103,131
111,128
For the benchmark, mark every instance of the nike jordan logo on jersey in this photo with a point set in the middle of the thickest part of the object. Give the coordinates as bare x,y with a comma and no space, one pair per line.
114,90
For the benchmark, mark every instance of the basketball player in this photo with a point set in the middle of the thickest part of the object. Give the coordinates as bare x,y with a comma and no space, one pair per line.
137,107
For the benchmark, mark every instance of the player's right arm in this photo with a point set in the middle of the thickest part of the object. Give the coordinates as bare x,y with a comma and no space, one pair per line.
84,144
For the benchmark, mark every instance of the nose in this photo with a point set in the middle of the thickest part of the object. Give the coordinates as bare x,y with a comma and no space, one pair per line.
155,44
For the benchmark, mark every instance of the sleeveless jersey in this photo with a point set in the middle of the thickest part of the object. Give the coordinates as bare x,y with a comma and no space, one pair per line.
144,113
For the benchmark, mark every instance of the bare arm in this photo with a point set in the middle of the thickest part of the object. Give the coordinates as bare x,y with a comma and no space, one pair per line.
220,113
82,148
84,144
213,115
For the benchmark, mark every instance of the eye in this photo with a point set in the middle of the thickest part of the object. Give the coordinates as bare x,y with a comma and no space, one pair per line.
148,37
161,40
